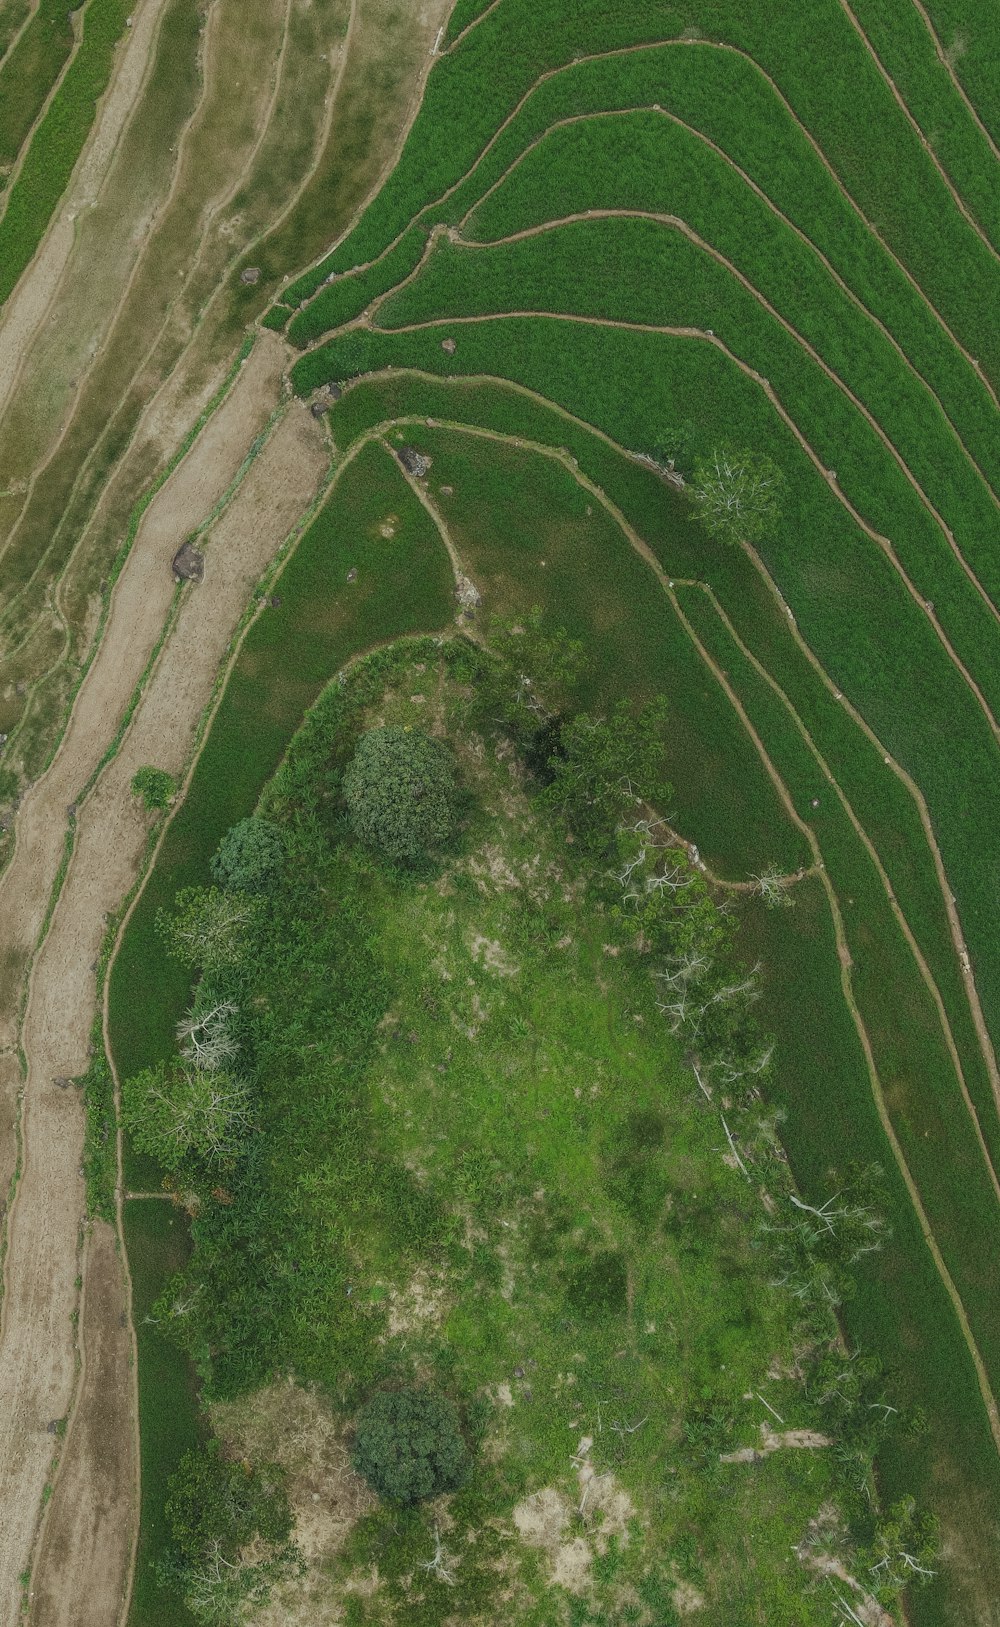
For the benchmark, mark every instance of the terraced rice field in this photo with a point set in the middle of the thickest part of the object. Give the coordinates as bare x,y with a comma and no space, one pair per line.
565,252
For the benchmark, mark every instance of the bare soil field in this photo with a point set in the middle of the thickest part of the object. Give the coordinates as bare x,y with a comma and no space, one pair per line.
37,1334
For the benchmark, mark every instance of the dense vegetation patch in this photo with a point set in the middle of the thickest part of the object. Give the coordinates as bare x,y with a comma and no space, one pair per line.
470,1146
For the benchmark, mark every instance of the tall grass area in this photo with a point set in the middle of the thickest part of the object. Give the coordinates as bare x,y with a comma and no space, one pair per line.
158,1243
57,143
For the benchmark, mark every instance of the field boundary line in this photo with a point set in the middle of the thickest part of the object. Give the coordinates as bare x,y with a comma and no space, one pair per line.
77,22
905,778
893,88
20,29
946,62
804,238
703,336
676,223
139,261
56,217
459,37
628,50
897,911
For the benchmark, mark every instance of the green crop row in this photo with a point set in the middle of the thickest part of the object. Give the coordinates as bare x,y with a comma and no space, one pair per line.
30,71
899,37
58,140
721,94
934,1130
967,32
659,514
12,16
645,162
890,665
822,1086
852,115
638,271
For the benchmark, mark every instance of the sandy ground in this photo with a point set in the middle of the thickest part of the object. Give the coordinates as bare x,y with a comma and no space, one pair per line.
91,1509
37,1356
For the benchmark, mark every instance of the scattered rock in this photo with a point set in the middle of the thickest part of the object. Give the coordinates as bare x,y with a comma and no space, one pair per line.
334,391
467,594
414,462
189,564
446,491
274,601
20,688
71,810
250,276
61,1081
52,1427
320,408
448,346
352,574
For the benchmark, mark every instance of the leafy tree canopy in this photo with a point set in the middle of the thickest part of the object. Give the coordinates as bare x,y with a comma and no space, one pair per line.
401,792
605,769
178,1108
409,1445
216,1509
249,857
737,495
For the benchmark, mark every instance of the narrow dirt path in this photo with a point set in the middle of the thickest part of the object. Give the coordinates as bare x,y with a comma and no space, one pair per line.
945,59
901,103
644,552
925,606
37,1357
758,191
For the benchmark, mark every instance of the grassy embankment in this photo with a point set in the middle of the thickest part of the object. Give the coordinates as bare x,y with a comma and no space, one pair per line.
289,652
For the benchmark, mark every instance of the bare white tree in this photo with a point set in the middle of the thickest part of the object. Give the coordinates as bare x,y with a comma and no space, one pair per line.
204,1037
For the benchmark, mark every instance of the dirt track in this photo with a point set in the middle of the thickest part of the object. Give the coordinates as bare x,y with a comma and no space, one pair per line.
37,1336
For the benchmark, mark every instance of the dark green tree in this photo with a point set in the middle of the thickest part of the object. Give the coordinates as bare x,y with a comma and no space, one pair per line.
605,770
409,1445
216,1509
401,793
249,857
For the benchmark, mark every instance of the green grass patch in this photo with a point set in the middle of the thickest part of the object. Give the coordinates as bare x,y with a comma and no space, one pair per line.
157,1240
29,72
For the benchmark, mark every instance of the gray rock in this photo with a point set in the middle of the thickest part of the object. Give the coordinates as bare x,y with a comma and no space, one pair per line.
414,462
250,276
189,564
